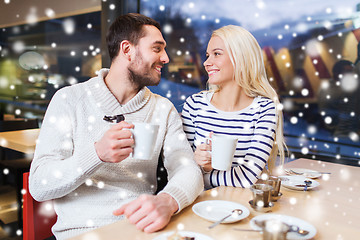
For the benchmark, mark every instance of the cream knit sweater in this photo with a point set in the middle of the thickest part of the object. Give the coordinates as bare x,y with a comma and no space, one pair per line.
86,190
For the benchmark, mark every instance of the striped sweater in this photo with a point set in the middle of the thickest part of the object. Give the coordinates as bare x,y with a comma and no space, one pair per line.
254,126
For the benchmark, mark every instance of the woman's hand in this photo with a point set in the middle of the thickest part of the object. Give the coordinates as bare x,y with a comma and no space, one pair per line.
202,156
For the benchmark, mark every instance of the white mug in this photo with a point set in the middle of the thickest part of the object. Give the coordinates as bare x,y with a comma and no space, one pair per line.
222,151
144,135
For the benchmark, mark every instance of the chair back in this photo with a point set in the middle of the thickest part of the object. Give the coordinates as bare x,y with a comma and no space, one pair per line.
22,124
38,217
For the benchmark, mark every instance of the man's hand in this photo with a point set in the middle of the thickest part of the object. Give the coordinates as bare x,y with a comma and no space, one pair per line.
202,156
149,213
116,143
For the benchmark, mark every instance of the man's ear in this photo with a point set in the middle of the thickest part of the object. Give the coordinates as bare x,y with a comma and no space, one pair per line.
126,49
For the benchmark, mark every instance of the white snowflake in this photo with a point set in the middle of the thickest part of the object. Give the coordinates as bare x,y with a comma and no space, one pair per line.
49,12
293,201
68,26
214,192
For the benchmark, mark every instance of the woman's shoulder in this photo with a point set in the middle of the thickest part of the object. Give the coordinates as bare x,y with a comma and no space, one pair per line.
198,97
261,100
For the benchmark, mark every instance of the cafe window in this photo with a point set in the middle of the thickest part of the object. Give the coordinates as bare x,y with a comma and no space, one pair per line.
310,50
39,58
311,57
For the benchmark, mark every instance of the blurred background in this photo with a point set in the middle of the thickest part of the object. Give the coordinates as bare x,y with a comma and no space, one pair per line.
310,47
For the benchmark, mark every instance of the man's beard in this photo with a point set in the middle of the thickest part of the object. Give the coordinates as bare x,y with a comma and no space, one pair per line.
142,78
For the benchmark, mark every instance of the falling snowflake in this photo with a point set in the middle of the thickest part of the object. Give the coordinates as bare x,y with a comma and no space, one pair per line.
88,182
32,17
293,201
312,129
294,120
312,49
167,29
349,82
328,120
180,226
214,192
354,136
305,150
69,26
49,12
100,184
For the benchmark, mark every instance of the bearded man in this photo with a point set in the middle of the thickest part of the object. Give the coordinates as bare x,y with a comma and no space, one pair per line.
84,164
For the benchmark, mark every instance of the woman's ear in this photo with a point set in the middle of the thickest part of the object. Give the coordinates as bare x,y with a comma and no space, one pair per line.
125,49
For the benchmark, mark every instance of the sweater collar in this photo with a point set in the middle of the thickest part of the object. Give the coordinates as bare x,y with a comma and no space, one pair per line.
108,102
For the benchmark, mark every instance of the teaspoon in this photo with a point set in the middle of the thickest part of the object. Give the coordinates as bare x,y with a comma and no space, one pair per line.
235,212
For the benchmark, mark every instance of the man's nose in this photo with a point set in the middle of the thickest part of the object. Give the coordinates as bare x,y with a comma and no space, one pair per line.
164,58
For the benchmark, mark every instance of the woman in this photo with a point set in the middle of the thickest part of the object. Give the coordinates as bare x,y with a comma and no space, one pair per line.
241,103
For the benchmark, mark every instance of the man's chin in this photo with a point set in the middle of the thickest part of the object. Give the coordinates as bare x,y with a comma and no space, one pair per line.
154,82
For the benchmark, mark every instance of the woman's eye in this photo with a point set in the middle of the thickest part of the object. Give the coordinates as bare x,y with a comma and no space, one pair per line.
217,54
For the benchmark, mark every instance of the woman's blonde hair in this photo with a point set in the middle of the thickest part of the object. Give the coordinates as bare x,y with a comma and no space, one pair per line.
249,72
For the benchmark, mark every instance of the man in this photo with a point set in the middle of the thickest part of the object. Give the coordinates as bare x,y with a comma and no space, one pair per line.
83,162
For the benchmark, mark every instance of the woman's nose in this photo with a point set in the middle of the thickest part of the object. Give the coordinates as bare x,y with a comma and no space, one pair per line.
207,62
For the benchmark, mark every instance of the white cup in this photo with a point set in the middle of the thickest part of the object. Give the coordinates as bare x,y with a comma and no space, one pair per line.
222,151
144,135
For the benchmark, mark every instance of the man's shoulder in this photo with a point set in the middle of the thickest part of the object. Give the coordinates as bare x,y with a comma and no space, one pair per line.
160,99
75,91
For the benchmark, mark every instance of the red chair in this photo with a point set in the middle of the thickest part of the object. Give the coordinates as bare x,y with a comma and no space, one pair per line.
38,217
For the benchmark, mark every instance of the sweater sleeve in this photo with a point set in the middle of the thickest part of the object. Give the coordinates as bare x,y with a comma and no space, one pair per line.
248,169
185,178
187,117
57,168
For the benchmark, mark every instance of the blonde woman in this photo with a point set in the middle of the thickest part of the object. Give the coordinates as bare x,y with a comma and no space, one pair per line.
241,103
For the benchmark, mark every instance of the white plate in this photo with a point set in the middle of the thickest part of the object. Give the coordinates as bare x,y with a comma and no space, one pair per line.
215,210
306,172
288,220
290,181
197,236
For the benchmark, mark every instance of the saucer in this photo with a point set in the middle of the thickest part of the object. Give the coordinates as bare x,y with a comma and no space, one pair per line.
291,182
213,210
275,198
188,234
261,209
302,224
305,172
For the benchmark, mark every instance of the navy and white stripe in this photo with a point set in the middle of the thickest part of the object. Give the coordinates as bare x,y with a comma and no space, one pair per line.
254,126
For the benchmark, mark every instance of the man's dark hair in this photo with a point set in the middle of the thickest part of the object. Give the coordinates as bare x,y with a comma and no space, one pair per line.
127,27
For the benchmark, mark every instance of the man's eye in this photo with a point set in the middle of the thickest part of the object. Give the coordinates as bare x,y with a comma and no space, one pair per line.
157,49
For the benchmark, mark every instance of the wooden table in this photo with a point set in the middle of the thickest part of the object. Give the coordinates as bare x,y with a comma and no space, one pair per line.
22,140
333,208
